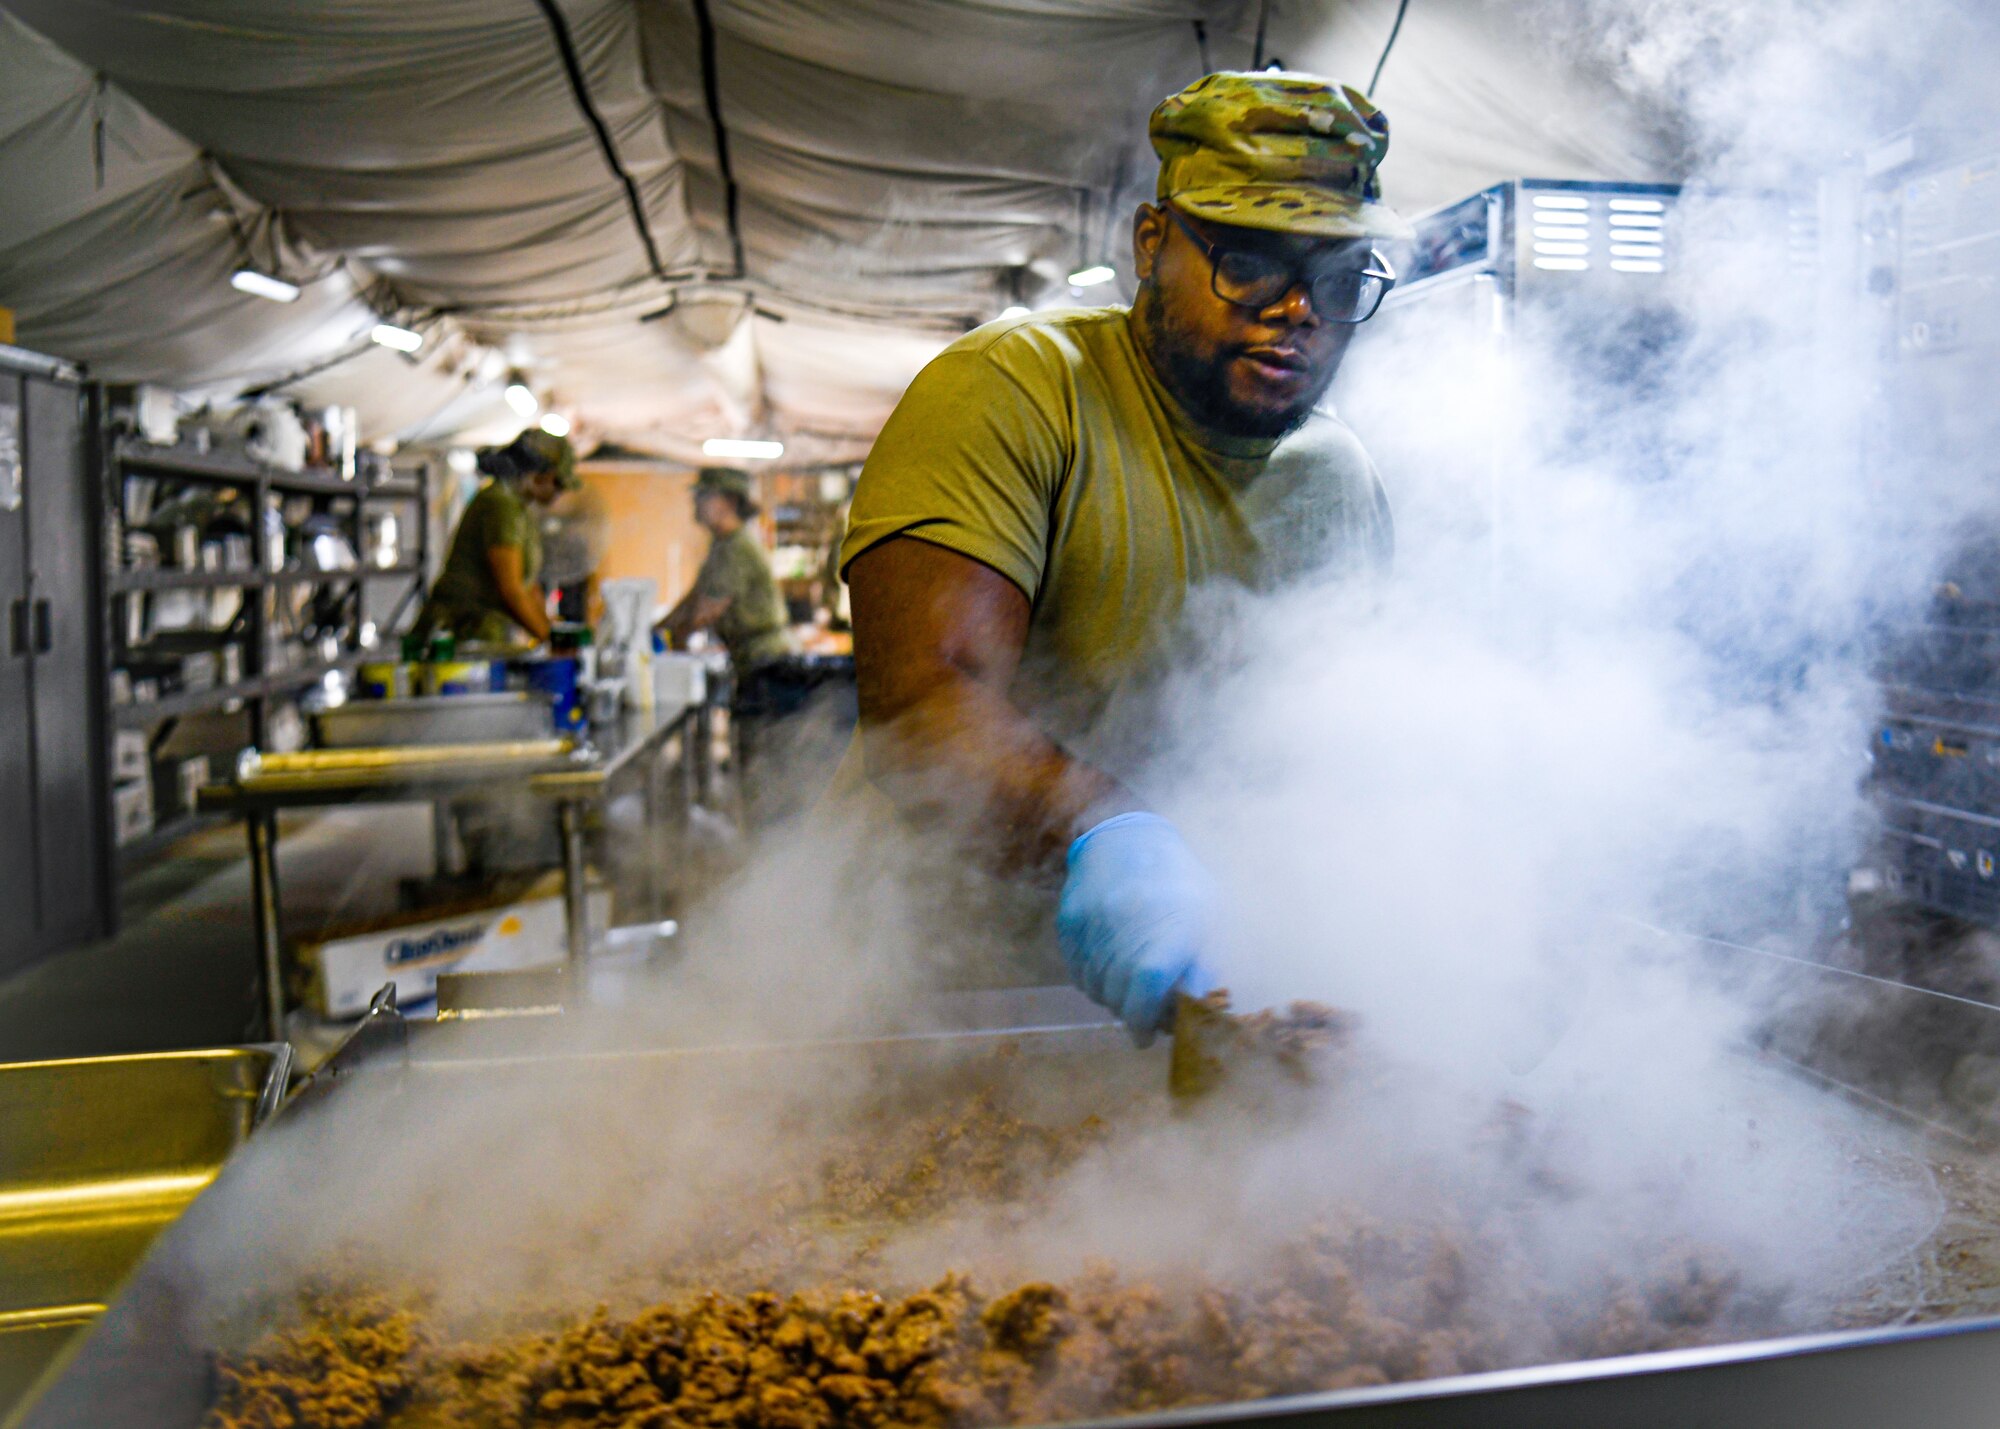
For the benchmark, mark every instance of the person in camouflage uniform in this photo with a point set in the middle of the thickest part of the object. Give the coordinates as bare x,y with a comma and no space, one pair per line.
486,592
1050,490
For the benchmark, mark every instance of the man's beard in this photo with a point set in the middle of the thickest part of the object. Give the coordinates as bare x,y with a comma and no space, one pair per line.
1201,385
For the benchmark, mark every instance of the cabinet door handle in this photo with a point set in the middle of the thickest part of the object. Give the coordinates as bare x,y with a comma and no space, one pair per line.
44,628
17,625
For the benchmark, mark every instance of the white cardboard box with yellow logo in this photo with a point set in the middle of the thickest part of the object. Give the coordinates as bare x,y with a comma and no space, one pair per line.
345,969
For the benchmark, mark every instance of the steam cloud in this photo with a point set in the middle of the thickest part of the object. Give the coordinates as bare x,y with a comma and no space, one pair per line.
1437,803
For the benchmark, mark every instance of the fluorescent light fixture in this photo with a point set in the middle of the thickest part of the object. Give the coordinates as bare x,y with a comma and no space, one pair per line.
555,424
1091,277
734,446
1636,265
1637,250
1562,218
1551,201
1563,265
1013,310
1637,205
522,400
1569,234
400,338
1563,250
462,460
1637,220
263,285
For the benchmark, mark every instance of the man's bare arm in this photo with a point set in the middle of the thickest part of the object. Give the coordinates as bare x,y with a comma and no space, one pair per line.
937,639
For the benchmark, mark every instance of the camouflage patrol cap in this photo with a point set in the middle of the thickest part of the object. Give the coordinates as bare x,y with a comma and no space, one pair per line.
549,453
727,481
1292,153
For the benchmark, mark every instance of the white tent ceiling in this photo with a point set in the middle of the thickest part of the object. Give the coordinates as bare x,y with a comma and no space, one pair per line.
532,182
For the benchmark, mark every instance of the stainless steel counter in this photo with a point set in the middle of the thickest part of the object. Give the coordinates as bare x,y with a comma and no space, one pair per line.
98,1155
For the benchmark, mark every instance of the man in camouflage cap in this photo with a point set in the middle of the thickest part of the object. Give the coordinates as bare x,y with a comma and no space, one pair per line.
734,593
1051,488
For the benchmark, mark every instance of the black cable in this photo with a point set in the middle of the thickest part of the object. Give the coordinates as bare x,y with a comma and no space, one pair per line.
711,95
566,47
1402,8
1263,14
1201,44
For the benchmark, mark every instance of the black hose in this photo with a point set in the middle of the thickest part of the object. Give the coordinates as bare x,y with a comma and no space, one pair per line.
1402,9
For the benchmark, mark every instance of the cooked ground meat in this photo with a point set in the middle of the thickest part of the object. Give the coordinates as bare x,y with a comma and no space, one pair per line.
769,1328
948,1357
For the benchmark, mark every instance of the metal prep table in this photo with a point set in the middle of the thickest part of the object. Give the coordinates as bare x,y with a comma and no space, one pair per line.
149,1361
619,757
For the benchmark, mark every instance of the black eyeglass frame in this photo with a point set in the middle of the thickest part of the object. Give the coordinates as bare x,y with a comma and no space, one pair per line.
1378,267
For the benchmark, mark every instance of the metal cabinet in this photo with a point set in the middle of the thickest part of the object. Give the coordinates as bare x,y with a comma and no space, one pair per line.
54,862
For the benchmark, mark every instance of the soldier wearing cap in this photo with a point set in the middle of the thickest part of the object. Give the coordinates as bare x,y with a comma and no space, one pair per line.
487,589
734,592
1051,489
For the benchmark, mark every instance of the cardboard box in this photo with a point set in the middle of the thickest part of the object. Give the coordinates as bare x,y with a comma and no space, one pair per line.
132,810
344,971
176,783
129,756
7,326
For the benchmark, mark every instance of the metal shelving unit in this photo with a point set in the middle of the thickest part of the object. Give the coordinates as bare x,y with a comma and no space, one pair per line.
267,675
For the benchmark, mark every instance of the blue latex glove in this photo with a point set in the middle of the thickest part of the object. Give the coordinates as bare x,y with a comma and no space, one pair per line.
1135,918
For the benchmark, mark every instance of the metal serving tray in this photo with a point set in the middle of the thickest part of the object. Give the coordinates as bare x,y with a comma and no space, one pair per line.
147,1364
98,1155
434,719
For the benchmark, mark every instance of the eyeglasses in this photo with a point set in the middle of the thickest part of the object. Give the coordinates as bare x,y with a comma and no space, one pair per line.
1256,280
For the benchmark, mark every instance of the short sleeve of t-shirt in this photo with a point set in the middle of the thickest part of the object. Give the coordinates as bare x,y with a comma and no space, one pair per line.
970,461
507,524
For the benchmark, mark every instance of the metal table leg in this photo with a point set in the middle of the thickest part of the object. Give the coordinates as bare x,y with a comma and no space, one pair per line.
444,840
576,907
263,826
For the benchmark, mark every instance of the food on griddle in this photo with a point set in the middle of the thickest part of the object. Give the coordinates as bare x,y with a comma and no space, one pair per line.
980,1149
1214,1047
1321,1315
350,1360
803,1324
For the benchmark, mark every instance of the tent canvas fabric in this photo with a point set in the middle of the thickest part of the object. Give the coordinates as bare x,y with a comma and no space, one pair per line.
540,185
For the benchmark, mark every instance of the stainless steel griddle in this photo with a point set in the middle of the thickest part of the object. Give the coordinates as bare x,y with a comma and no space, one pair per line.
148,1361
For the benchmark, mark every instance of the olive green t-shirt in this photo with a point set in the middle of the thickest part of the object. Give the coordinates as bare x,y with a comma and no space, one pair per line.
1046,448
466,599
737,570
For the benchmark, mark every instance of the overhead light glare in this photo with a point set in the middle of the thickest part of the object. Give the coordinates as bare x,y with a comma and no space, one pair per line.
1563,265
1091,277
555,424
1636,265
1569,234
1636,220
1553,201
263,285
400,338
1563,250
1637,205
1013,310
522,400
1637,250
741,447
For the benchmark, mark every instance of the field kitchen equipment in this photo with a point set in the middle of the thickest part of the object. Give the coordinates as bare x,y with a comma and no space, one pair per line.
1925,273
148,1362
98,1155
